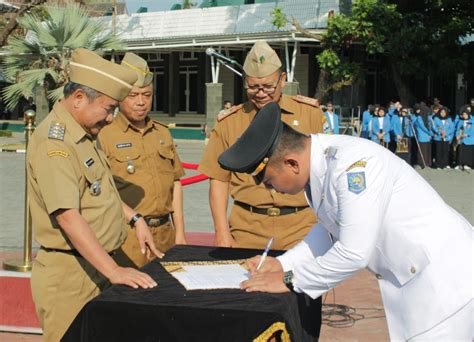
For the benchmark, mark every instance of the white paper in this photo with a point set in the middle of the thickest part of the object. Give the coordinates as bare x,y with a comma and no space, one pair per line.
207,277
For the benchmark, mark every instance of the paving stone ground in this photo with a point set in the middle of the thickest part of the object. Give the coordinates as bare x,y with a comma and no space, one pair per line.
360,293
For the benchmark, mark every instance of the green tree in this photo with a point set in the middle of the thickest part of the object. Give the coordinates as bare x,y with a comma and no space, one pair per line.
37,63
8,28
413,38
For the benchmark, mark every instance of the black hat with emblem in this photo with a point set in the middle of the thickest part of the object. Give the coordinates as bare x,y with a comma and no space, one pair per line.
251,152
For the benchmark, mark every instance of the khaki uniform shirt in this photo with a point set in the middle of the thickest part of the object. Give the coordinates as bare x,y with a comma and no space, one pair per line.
67,171
302,117
145,165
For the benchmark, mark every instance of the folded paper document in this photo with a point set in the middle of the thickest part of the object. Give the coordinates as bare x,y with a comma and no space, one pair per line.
208,275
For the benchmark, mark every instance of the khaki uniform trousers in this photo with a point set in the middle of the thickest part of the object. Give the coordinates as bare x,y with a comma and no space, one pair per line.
61,285
130,255
252,230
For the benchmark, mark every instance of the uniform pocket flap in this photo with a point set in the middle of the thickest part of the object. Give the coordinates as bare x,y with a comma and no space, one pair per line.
125,156
410,264
93,174
166,151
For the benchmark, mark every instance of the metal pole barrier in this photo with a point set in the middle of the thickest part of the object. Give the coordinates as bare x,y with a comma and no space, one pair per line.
25,264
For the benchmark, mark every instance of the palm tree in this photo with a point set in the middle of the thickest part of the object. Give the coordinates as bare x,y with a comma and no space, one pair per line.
37,63
188,4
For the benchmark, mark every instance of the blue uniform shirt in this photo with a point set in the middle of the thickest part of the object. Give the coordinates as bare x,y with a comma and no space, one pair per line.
399,128
447,126
423,133
385,128
366,120
335,129
467,127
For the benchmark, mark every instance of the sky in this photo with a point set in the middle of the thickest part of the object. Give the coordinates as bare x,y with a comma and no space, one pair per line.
152,5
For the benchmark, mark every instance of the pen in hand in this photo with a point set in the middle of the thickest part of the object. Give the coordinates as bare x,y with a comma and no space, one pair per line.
264,255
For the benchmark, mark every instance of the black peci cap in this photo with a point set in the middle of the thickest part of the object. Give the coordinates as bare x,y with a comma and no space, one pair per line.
251,152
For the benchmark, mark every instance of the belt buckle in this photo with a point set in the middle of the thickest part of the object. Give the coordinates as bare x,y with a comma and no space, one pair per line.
273,211
153,222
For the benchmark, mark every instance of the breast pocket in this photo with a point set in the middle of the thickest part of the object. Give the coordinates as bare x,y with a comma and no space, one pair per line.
94,181
126,161
165,158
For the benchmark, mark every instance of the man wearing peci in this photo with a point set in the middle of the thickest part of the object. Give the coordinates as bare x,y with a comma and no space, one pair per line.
78,218
258,213
368,199
146,166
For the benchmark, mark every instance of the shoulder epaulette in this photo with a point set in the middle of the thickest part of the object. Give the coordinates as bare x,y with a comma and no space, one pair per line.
221,116
160,123
306,100
56,130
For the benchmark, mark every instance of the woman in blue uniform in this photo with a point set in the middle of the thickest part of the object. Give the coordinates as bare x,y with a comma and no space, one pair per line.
422,126
443,132
399,133
381,128
465,138
332,120
366,120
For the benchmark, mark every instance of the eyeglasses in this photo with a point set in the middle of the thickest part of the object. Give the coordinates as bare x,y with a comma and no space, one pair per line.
267,88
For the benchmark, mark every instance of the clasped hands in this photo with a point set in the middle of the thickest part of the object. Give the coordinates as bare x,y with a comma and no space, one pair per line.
269,278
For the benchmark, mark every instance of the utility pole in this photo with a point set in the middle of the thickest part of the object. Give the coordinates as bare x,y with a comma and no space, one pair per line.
113,16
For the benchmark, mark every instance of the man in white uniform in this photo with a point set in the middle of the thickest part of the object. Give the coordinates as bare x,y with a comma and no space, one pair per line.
381,215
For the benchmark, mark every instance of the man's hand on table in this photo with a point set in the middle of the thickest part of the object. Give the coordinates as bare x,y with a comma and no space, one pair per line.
223,239
269,278
131,277
145,239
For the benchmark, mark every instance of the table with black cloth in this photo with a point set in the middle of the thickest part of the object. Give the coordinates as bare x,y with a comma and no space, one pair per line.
170,313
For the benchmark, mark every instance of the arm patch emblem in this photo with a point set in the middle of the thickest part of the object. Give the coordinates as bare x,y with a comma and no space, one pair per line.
356,182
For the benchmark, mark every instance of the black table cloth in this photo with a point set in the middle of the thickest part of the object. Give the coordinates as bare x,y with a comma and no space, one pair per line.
170,313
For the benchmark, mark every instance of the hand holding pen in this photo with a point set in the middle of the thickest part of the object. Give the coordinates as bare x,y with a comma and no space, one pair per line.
265,253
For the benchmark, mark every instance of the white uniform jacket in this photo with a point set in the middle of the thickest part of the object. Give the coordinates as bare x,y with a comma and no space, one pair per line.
383,215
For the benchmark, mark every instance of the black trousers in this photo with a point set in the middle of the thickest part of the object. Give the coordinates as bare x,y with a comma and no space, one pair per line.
442,153
425,148
466,155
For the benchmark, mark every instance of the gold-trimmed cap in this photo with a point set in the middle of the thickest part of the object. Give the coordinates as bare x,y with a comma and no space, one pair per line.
140,66
252,151
261,61
89,69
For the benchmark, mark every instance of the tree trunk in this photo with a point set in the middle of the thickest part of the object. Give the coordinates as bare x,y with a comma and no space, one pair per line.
404,92
12,25
41,101
323,86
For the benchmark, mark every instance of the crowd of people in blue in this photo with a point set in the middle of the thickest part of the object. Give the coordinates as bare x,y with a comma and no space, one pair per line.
425,136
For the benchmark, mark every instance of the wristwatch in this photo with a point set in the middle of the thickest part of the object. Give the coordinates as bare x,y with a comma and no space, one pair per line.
288,280
134,219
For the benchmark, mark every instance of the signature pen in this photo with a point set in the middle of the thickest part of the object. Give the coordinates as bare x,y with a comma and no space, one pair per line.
264,255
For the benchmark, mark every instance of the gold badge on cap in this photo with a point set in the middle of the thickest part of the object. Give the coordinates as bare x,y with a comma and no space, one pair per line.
56,130
295,123
96,188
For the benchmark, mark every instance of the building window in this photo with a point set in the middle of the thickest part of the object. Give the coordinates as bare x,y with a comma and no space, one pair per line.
187,55
155,57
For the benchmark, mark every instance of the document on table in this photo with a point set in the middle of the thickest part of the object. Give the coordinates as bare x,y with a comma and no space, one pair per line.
209,277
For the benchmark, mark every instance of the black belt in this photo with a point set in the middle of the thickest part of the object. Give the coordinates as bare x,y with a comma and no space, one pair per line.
272,211
156,221
73,252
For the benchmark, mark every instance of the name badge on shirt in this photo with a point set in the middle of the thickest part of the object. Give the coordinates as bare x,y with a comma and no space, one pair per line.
123,145
89,162
356,181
